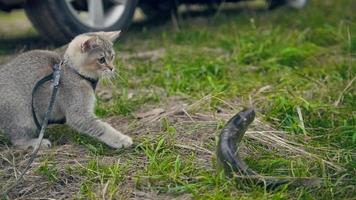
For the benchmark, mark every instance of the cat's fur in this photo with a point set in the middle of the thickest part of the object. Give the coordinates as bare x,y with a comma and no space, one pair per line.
75,99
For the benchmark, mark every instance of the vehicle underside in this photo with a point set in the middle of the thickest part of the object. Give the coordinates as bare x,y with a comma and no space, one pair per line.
8,5
59,21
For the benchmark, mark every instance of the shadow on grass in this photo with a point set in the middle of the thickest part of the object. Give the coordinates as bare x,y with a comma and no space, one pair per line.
14,45
187,15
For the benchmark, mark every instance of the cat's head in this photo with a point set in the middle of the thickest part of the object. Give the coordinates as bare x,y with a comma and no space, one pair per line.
92,54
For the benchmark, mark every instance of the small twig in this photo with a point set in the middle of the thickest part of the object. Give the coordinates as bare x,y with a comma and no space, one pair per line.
57,153
300,116
199,102
250,99
337,102
203,149
105,189
4,158
224,102
14,165
190,117
114,193
96,172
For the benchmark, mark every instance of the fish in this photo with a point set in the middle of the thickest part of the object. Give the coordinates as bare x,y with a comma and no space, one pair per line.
233,165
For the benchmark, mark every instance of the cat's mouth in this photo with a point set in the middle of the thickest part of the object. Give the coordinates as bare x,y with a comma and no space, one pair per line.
110,67
108,71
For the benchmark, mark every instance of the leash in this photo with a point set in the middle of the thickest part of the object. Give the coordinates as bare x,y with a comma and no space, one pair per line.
55,76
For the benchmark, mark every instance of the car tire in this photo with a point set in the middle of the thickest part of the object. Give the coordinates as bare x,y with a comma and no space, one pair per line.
296,4
56,21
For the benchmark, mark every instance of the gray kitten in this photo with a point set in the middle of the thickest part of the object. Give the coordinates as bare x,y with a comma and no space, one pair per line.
88,57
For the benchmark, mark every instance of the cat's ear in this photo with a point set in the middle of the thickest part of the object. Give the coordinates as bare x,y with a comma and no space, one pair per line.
89,44
112,35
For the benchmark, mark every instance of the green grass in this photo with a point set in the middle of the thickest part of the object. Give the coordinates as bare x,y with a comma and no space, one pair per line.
281,61
304,57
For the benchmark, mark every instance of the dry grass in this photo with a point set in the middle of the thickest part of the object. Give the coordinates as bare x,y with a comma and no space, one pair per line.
196,132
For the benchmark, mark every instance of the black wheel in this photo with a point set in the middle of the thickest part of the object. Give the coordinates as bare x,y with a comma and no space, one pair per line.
296,4
61,20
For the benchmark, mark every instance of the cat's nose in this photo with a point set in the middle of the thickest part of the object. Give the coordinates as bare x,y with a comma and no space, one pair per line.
111,67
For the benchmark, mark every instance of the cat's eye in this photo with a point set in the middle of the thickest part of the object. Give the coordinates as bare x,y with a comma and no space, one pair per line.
102,60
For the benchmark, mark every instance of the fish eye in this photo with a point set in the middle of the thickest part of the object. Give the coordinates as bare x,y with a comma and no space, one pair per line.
102,60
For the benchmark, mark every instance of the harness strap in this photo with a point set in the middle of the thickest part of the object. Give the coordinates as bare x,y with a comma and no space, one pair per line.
93,82
37,85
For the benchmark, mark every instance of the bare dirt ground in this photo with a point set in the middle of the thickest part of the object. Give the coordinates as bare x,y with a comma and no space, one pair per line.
196,132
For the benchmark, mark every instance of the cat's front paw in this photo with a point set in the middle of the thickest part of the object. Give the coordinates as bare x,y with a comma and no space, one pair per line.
123,141
126,141
46,144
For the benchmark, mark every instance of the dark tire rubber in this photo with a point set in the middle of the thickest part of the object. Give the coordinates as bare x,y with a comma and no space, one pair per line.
54,21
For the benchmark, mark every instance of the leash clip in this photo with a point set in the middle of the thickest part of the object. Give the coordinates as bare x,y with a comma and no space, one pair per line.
56,74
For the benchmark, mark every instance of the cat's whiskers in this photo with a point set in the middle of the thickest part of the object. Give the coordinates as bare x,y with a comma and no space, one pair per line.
108,76
120,77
